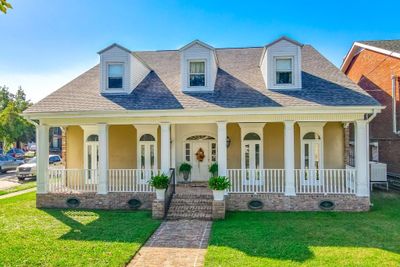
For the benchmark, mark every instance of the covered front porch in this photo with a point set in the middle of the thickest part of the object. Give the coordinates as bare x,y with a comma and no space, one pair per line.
289,157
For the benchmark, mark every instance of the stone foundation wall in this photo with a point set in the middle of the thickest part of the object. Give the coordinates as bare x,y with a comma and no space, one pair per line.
218,209
280,202
94,200
158,209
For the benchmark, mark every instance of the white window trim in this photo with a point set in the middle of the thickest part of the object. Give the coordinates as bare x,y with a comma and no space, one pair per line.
318,128
143,129
205,74
148,143
257,128
88,130
123,76
283,85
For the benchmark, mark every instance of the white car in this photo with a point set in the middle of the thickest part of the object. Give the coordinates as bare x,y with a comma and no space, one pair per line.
29,169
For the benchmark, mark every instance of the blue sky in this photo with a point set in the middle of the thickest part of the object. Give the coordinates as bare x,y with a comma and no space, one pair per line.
46,43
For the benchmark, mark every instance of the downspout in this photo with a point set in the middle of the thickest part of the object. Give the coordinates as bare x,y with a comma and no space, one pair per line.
373,115
394,115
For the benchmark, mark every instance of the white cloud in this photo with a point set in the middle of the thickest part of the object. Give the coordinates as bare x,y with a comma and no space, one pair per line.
39,85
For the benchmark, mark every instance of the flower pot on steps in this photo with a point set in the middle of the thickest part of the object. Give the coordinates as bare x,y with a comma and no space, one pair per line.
160,194
219,194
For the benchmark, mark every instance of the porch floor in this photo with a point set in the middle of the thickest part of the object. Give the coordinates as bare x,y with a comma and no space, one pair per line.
193,188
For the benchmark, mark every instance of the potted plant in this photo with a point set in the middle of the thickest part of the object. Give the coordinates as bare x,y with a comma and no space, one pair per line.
160,183
213,169
185,169
218,184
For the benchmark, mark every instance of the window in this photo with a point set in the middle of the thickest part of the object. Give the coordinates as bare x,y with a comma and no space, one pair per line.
284,70
115,76
251,136
213,152
197,73
187,152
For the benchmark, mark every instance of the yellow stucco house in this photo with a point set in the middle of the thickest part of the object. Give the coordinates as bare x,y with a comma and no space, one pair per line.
273,117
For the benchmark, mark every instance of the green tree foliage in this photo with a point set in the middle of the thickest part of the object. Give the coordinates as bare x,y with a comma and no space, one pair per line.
4,5
13,127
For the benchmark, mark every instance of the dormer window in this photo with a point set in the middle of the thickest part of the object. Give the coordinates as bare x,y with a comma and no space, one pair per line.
197,73
284,71
115,75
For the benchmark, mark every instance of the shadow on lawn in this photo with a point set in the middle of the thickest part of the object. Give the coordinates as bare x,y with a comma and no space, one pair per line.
108,226
290,236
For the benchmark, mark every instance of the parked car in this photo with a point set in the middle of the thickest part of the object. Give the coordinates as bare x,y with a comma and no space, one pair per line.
29,169
29,154
16,153
8,163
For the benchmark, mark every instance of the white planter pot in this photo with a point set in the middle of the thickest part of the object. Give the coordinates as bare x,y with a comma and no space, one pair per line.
219,194
160,194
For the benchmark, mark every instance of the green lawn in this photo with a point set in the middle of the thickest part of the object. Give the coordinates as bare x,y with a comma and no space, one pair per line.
55,237
309,238
17,188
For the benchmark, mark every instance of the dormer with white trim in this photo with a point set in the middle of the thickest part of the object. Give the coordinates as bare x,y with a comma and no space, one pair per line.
199,67
121,71
281,64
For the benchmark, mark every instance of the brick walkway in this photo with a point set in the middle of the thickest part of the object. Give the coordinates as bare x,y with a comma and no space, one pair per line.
180,243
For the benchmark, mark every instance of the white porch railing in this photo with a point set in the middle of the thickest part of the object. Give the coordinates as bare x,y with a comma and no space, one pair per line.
327,181
72,180
256,180
130,180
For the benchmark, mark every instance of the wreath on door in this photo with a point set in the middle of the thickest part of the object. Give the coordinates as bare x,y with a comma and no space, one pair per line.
200,155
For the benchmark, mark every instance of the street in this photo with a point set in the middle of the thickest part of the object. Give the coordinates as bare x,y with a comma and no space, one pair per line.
9,179
10,175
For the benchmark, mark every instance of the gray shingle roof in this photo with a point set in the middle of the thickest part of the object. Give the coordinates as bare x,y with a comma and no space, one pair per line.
391,45
239,84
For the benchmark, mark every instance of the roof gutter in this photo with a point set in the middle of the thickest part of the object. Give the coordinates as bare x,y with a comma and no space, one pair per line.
202,112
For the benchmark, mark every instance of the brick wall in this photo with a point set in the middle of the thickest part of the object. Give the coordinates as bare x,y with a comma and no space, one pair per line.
95,201
280,202
372,71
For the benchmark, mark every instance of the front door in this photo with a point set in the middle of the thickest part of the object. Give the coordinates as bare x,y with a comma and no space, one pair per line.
311,161
92,161
200,166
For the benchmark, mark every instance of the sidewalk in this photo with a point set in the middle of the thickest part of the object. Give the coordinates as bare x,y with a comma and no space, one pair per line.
180,243
18,193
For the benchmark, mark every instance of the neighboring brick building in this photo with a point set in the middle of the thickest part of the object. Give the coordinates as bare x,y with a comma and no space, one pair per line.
374,65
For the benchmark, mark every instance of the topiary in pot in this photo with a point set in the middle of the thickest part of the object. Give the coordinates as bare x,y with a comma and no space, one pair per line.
213,169
185,169
219,184
160,183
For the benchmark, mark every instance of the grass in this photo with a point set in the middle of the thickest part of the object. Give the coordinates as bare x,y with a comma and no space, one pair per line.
17,188
56,237
309,238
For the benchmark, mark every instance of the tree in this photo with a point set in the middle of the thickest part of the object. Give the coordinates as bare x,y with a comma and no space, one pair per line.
14,127
4,5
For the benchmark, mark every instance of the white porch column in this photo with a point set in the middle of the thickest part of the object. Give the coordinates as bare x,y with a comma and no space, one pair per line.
42,141
289,158
165,147
222,155
362,158
103,159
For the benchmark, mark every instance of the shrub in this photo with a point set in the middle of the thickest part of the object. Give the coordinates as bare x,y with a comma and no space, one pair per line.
185,167
213,169
219,183
160,181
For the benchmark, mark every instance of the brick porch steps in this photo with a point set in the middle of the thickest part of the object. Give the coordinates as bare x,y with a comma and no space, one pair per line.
190,206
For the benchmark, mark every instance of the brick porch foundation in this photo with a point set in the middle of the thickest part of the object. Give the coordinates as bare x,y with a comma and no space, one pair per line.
280,202
95,201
